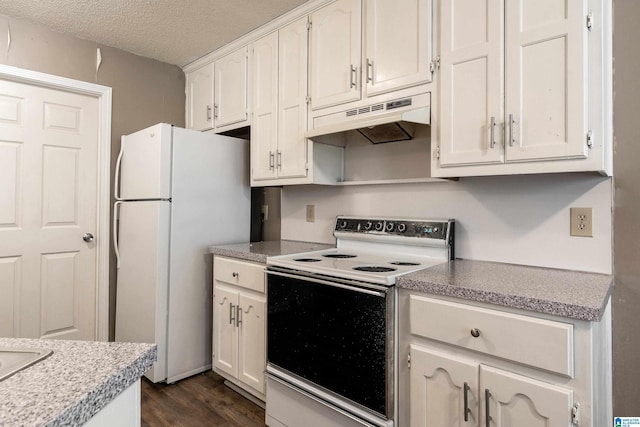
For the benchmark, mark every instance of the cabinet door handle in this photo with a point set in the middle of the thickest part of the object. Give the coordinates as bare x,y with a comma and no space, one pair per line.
238,315
215,111
208,113
353,77
492,126
279,162
271,160
466,401
511,139
232,319
487,408
369,67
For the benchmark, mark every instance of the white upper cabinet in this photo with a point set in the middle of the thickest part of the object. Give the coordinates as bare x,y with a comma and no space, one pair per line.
231,92
292,100
362,49
513,86
335,54
264,124
397,48
200,98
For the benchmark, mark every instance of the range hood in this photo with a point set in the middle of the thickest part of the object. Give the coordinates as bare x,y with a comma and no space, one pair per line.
379,122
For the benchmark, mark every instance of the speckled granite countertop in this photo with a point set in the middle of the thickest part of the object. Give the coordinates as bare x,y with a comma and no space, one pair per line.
259,251
573,294
71,385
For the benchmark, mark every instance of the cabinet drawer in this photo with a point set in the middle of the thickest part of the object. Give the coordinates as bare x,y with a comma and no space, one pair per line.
531,341
240,273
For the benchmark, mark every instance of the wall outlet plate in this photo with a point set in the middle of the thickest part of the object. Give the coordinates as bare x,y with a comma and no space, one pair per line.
581,222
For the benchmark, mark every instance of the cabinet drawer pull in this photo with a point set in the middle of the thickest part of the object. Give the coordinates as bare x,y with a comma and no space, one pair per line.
511,122
353,77
475,332
492,126
231,312
234,274
466,401
369,67
487,408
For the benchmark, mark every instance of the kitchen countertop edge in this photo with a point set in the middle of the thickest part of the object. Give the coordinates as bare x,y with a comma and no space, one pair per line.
526,293
260,251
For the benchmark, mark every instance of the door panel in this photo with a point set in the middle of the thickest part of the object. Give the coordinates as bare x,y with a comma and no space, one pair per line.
48,200
252,345
231,88
225,352
200,98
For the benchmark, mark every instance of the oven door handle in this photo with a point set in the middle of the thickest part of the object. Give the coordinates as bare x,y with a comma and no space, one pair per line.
329,283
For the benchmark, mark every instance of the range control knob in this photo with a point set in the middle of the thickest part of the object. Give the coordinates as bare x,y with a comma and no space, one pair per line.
368,225
436,229
402,227
390,226
379,226
343,224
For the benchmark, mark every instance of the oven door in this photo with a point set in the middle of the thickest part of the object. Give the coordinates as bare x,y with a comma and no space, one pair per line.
337,334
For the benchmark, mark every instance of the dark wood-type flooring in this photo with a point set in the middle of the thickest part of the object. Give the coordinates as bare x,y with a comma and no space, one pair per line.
201,400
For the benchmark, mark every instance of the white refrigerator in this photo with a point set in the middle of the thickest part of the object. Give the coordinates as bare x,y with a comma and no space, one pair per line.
177,192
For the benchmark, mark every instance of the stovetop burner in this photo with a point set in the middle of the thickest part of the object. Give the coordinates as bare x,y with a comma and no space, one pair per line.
307,260
404,263
339,256
374,269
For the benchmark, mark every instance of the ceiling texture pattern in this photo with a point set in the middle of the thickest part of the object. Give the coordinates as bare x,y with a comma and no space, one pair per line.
172,31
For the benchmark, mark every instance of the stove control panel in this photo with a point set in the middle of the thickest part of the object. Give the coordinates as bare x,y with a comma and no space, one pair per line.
433,229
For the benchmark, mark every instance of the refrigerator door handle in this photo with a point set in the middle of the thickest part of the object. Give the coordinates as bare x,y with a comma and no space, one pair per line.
115,233
116,179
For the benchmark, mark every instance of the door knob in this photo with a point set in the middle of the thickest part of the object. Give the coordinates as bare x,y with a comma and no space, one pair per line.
88,237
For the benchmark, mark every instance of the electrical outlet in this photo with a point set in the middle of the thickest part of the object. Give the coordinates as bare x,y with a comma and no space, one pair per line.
265,212
311,213
581,222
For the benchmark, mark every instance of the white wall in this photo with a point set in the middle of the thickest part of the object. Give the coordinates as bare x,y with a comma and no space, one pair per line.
511,219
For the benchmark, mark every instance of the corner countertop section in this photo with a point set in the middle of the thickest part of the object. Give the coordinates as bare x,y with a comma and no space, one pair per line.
72,384
565,293
259,251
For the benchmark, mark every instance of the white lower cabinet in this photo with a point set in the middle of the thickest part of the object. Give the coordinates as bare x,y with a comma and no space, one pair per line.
451,391
239,323
468,364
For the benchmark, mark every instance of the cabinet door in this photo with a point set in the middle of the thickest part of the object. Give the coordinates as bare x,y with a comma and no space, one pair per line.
231,88
335,53
397,44
292,105
200,98
225,335
438,385
264,125
515,400
546,52
252,358
471,74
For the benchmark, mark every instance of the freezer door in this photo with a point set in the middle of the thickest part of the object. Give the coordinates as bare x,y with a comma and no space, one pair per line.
143,277
143,167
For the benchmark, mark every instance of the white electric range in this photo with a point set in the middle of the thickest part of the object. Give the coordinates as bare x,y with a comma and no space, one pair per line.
332,321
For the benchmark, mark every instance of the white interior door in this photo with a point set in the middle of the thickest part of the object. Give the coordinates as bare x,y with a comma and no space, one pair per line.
48,201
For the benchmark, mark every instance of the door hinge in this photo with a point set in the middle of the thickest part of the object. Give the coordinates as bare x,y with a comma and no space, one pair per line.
590,138
575,414
434,65
409,360
589,20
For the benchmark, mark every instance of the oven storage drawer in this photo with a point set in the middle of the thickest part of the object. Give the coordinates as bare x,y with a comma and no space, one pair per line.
239,273
527,340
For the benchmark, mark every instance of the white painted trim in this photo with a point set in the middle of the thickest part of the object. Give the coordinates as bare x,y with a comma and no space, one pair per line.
103,93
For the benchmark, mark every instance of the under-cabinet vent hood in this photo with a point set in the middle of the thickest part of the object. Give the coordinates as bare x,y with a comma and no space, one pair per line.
380,122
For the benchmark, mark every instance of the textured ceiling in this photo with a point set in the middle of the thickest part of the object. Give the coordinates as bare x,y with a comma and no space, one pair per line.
172,31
